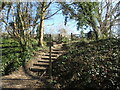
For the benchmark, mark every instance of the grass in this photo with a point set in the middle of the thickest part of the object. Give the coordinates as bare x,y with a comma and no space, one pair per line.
10,53
12,57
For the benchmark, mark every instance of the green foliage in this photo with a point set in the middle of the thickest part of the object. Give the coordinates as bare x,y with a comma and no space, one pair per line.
85,13
65,39
13,56
92,65
91,35
10,51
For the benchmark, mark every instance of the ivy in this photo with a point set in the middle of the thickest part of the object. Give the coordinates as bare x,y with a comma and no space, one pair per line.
92,65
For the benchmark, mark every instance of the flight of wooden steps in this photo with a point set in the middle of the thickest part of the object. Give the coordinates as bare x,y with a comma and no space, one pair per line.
42,64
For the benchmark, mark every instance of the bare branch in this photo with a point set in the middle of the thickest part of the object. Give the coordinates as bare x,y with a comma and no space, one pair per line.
48,5
53,14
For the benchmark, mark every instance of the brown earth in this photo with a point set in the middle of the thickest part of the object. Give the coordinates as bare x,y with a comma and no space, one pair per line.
25,78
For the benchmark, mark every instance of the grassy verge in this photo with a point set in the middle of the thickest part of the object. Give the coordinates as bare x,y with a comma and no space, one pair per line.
12,56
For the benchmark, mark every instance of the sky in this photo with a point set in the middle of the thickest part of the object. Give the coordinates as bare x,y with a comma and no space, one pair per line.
56,22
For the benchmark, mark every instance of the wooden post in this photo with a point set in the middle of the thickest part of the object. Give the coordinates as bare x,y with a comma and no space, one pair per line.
50,59
71,36
61,38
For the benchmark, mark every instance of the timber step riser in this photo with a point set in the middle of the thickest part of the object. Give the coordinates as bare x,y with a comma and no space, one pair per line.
37,70
52,55
43,65
48,58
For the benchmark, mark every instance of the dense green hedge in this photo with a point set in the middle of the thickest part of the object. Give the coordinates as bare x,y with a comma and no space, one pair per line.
93,65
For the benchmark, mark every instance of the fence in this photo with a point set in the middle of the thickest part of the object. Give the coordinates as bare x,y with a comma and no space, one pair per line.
59,37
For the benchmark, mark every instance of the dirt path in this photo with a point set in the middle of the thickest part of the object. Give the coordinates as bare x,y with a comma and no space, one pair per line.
27,76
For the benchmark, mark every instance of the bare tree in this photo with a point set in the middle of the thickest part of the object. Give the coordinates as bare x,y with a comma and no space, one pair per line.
24,21
18,23
109,17
44,14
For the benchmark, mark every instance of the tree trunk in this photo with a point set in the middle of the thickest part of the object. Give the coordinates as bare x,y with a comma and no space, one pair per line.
40,42
41,27
96,34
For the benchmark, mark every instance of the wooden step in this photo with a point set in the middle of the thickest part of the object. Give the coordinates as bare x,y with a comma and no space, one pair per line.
48,58
42,64
53,55
37,69
56,50
45,61
45,58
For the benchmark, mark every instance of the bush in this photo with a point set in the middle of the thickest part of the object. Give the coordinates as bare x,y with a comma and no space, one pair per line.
91,65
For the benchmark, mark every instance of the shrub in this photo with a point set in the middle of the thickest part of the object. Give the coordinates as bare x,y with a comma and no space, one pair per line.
91,65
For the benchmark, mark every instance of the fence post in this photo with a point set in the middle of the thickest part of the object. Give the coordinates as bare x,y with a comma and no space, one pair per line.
61,38
50,59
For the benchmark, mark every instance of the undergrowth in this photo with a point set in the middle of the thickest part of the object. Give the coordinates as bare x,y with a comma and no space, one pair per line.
93,65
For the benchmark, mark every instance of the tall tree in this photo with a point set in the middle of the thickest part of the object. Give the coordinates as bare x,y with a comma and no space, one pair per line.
98,15
108,16
3,4
85,13
44,14
18,22
41,26
28,17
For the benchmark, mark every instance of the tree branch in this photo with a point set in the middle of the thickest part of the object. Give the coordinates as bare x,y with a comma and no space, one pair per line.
53,14
48,5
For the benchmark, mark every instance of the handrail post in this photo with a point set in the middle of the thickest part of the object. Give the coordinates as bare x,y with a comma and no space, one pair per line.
50,59
71,36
